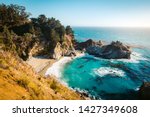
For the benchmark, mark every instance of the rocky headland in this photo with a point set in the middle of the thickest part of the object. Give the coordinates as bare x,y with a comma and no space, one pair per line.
115,50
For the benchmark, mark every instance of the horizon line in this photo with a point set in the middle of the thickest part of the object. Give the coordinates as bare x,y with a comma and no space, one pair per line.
112,26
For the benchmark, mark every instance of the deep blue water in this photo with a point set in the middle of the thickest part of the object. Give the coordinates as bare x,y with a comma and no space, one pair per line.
136,36
110,79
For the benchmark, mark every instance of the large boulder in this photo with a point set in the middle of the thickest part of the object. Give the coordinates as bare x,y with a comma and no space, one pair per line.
144,92
115,50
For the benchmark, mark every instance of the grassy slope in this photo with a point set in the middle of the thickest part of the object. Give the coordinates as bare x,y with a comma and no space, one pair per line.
19,81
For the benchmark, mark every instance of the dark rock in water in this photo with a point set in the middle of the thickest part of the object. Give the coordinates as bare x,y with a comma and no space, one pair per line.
115,50
144,92
86,44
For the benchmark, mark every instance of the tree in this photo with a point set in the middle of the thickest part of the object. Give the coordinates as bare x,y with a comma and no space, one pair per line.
12,15
54,36
42,19
61,31
69,30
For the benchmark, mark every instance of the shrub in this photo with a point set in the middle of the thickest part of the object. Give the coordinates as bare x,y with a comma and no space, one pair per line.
23,82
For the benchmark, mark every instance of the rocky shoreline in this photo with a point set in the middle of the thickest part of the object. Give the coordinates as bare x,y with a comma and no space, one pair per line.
114,50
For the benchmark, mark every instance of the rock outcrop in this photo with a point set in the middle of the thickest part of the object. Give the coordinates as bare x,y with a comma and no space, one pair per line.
86,44
36,50
144,92
115,50
64,49
57,52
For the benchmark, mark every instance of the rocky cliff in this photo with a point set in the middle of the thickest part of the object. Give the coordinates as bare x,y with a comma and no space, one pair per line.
115,50
63,49
58,50
37,49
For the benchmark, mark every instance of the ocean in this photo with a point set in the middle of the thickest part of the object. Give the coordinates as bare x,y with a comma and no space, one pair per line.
110,79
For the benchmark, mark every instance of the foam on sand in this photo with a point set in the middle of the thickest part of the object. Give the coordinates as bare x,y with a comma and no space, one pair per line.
58,66
109,71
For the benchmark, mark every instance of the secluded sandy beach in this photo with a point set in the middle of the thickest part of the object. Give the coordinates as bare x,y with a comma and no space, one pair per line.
45,66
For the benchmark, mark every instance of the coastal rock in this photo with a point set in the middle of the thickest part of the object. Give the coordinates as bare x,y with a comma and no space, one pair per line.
57,52
86,44
94,50
36,50
115,50
144,92
63,49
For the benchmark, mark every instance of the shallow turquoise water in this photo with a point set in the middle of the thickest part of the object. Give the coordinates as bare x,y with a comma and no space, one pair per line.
110,79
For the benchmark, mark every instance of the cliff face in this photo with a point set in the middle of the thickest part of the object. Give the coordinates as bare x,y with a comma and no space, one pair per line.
19,81
36,49
57,52
64,49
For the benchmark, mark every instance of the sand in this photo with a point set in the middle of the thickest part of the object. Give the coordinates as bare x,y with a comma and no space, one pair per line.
45,66
57,67
40,64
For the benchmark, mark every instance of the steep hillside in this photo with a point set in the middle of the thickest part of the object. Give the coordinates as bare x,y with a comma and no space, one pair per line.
19,81
33,36
21,38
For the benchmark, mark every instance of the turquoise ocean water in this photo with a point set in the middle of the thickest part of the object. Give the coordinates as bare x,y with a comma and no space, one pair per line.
110,79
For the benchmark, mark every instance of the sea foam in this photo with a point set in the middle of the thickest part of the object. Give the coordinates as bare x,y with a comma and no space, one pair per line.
135,58
109,71
57,67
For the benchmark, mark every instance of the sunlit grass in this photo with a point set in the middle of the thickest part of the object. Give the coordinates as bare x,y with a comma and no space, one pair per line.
19,81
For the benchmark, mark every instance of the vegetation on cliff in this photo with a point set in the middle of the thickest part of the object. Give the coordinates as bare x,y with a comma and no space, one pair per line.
19,35
19,81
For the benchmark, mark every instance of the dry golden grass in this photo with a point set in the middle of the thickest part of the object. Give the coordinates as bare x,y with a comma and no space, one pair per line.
18,81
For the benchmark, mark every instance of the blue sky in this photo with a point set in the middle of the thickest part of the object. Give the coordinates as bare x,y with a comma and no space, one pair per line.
119,13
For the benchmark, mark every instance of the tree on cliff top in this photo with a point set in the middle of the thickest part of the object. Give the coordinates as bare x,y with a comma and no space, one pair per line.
12,15
27,32
69,31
